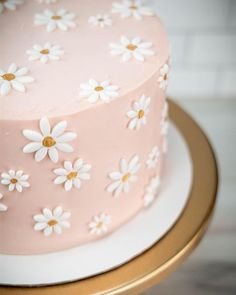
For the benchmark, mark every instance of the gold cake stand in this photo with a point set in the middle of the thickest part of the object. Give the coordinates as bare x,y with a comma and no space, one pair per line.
163,258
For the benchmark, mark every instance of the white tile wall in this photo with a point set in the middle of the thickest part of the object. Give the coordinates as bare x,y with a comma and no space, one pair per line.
217,49
232,14
228,83
193,13
203,40
192,83
178,44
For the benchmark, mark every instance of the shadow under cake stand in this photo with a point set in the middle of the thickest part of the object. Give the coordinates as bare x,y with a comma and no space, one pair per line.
155,264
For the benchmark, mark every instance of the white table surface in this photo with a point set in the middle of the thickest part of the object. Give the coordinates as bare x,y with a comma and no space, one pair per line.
211,269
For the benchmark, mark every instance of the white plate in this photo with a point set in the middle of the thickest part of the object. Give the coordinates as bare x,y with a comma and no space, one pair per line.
126,243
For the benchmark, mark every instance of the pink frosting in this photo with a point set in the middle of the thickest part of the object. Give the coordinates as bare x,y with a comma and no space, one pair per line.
103,137
87,55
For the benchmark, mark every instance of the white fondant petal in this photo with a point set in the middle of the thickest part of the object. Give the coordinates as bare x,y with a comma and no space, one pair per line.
51,26
47,213
59,129
5,181
18,86
6,176
33,135
133,163
53,155
113,186
65,224
69,136
5,88
40,154
65,216
126,56
68,185
32,147
126,187
84,176
11,187
77,183
68,166
12,68
21,72
18,187
60,172
138,56
78,164
40,226
45,126
24,184
40,218
64,147
85,168
123,166
47,231
24,79
57,212
3,208
60,180
118,190
115,175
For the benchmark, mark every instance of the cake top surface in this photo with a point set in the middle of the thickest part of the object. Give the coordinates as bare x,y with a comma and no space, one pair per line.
58,57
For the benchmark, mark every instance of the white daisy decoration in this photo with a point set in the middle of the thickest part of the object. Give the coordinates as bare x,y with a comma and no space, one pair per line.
164,76
100,20
15,180
47,1
123,178
72,174
14,78
95,91
52,221
9,4
3,207
128,48
132,8
49,141
151,191
45,53
164,127
138,116
153,158
99,224
164,119
61,19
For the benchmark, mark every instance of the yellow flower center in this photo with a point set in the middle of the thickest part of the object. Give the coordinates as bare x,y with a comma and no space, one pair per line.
72,175
14,180
165,77
99,88
56,17
133,7
99,224
126,177
44,51
52,222
131,47
48,142
8,77
141,114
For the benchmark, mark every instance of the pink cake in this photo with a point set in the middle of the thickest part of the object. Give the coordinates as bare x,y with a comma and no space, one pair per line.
82,119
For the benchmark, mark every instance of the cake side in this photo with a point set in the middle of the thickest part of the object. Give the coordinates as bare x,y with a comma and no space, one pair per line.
103,139
83,145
